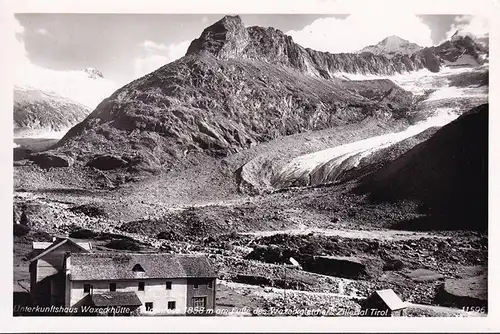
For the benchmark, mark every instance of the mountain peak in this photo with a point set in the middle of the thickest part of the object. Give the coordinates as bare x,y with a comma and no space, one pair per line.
392,45
225,38
393,39
396,41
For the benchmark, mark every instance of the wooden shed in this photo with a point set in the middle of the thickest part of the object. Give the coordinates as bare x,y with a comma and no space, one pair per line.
383,303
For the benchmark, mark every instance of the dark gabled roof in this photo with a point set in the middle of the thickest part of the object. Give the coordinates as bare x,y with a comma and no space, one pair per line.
128,298
117,266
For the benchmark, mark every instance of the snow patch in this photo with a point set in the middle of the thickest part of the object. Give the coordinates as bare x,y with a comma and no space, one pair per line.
456,92
41,134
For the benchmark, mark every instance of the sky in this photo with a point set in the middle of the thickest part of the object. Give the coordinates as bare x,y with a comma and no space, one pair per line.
127,46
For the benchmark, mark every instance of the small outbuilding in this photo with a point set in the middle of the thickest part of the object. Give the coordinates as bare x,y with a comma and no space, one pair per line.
383,303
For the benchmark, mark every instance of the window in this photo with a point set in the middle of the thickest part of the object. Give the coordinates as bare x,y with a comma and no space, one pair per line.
86,288
112,287
141,286
199,302
171,305
138,268
169,286
149,307
195,285
209,284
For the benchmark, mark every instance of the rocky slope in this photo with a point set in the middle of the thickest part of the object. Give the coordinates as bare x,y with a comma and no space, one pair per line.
463,50
447,175
39,113
391,46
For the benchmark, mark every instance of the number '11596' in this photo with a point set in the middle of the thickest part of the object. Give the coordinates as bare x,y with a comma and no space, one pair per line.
478,309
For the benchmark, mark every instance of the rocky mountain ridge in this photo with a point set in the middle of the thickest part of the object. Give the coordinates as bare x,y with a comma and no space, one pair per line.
228,38
38,112
49,107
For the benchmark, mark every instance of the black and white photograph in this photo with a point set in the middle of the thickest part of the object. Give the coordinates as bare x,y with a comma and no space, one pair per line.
250,165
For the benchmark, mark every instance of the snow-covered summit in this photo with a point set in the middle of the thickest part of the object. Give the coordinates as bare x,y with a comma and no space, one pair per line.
392,45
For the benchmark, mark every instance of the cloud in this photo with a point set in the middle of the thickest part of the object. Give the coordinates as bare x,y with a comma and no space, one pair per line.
146,64
475,25
361,29
74,84
152,46
158,55
18,44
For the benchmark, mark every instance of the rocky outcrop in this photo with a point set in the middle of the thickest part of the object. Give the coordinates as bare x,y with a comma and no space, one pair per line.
462,51
464,292
347,267
21,153
51,159
107,162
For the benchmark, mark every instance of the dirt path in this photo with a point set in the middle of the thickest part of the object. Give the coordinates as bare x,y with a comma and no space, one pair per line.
393,235
280,293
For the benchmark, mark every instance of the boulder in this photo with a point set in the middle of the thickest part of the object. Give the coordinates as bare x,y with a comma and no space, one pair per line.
252,279
21,153
123,244
20,230
463,292
49,160
393,264
170,236
91,210
107,162
338,266
83,234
